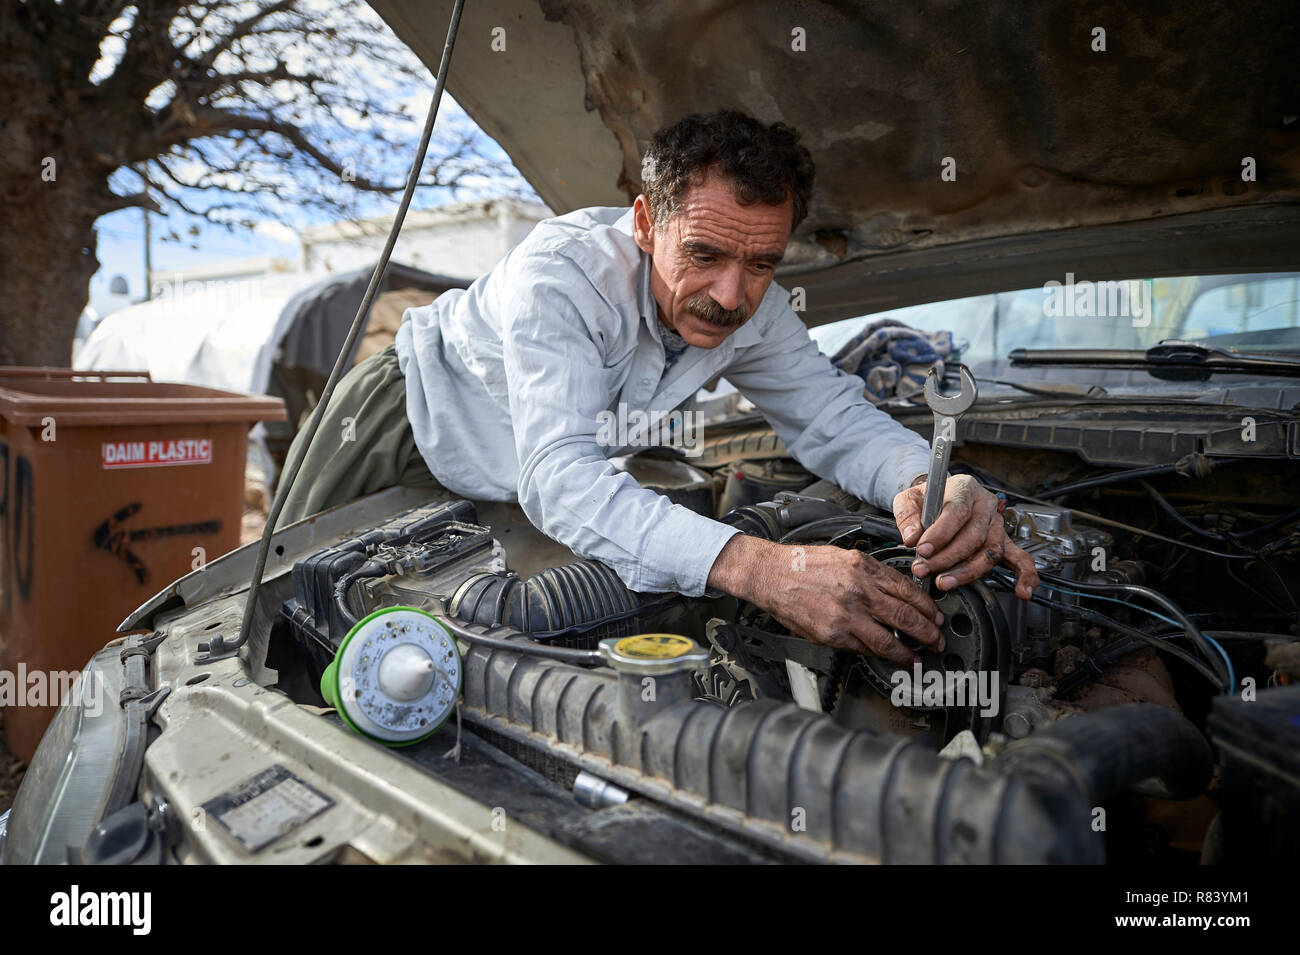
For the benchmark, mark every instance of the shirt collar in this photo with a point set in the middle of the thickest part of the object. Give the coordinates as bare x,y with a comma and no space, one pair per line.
646,303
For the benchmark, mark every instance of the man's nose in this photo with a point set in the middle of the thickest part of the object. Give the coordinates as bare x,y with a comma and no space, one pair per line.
728,290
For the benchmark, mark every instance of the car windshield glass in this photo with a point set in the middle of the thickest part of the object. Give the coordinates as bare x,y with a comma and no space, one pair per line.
1247,313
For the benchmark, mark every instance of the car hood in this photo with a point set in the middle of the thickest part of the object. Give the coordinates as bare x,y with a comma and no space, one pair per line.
1053,141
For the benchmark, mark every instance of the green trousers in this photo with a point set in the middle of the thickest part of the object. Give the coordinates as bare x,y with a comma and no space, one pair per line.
363,445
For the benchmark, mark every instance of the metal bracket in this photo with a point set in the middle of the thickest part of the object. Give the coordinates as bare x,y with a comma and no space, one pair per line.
145,647
216,649
134,694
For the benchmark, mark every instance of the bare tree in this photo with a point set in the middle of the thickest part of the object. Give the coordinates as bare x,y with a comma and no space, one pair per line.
233,111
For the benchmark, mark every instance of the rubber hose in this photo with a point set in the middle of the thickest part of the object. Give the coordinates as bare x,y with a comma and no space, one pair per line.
1136,747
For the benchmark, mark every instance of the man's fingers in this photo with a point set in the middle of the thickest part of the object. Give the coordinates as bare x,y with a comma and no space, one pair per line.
1026,574
896,584
955,514
840,640
973,569
907,514
967,541
909,620
882,643
846,641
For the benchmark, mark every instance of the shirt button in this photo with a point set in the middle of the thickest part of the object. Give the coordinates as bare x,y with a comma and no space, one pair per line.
645,381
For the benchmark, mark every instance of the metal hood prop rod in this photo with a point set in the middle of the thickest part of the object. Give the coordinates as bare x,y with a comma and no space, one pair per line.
218,648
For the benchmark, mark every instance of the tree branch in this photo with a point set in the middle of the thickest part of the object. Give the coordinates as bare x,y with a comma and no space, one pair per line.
212,122
139,200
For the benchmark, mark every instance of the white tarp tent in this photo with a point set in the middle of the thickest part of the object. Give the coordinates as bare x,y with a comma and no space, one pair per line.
220,336
230,335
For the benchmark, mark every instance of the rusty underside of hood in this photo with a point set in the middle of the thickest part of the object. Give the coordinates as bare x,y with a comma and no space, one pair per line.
1046,132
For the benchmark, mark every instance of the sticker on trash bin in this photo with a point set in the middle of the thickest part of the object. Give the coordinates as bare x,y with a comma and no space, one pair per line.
157,454
264,808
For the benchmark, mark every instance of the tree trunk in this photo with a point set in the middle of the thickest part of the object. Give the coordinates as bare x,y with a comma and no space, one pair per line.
47,256
53,184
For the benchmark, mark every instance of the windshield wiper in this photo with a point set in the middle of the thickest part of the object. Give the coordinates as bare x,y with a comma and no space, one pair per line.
1052,389
1178,357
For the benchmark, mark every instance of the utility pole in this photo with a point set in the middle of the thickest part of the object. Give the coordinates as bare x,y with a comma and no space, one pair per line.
148,264
148,226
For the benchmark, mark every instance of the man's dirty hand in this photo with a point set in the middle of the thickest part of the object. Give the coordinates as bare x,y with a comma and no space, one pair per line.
966,541
829,595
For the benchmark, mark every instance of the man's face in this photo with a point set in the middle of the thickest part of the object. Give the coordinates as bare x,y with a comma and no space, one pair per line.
713,261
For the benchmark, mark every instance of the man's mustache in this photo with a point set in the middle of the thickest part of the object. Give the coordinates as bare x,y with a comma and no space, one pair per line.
703,307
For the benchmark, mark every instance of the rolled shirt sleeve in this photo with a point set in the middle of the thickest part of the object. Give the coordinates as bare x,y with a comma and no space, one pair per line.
559,383
821,415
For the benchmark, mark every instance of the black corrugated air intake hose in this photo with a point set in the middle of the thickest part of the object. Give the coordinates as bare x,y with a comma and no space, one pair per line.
586,595
793,522
773,520
572,599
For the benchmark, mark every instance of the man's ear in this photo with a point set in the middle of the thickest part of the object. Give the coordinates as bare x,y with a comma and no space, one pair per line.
643,226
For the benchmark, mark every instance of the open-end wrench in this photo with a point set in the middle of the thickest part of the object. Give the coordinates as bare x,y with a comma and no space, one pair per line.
947,409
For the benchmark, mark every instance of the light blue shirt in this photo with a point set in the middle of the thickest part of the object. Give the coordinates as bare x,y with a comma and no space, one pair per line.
506,382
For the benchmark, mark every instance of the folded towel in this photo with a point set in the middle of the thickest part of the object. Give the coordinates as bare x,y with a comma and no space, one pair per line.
893,358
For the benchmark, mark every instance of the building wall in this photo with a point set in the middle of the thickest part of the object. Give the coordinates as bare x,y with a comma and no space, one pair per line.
460,246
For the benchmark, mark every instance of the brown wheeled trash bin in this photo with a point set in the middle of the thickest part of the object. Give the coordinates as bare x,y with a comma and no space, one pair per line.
111,487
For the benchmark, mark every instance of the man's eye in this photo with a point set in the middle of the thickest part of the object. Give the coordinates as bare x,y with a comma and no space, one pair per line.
702,259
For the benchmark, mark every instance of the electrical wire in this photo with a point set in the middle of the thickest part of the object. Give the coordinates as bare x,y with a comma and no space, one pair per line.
1260,592
1116,649
1113,600
1204,643
1256,635
1277,522
522,644
1165,507
1159,643
1091,518
1210,674
1232,677
1112,653
1225,676
1113,477
814,529
1155,597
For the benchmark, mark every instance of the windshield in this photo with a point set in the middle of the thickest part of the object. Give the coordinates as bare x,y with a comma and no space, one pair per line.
1248,313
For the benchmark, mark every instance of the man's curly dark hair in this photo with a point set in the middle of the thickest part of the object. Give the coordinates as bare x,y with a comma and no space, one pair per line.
764,163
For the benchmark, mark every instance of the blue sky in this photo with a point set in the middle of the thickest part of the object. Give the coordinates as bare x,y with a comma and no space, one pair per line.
121,249
346,129
121,234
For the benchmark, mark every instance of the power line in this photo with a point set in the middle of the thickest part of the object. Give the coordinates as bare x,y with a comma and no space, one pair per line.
204,247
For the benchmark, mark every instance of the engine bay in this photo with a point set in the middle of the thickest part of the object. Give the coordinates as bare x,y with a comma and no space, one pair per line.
1169,586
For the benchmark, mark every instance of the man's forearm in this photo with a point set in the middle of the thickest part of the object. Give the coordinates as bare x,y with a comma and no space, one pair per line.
742,565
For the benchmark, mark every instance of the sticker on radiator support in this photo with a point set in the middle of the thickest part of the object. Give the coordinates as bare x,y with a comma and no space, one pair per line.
156,454
264,808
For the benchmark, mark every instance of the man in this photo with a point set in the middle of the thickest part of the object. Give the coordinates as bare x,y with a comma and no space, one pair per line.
505,384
